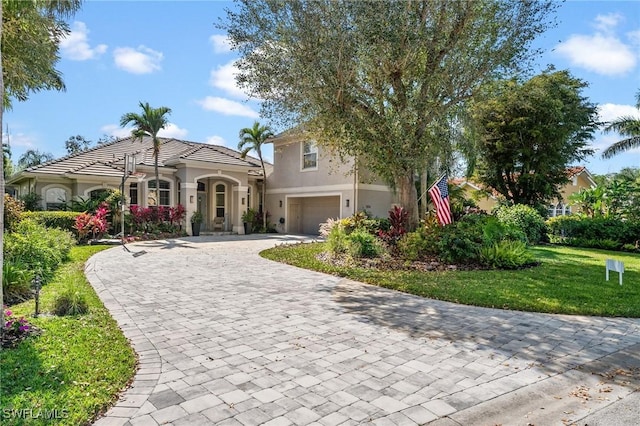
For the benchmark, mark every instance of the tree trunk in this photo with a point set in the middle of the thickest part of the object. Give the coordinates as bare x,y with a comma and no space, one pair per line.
408,198
423,193
1,193
264,201
155,165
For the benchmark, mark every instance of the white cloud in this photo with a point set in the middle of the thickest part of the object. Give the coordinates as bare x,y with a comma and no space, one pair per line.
608,22
634,37
115,130
140,60
227,107
19,140
75,45
173,131
216,140
221,43
224,77
602,54
609,112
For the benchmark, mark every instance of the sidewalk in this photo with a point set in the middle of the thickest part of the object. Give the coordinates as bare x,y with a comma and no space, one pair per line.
226,337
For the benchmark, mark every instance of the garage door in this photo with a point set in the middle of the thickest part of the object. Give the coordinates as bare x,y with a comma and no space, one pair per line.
307,213
316,210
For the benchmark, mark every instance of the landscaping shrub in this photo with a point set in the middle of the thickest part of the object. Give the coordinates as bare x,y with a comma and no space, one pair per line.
39,248
506,254
460,242
417,245
525,218
13,211
31,201
337,240
361,243
16,281
398,218
92,225
64,220
71,302
597,232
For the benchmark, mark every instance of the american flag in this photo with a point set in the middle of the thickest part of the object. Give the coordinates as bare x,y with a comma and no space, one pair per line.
439,193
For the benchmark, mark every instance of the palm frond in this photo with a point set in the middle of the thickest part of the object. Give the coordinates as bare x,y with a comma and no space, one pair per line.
621,146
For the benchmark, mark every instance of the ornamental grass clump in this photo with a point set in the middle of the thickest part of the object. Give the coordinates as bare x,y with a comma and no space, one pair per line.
71,303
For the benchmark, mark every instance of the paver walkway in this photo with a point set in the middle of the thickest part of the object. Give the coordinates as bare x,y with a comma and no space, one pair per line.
226,337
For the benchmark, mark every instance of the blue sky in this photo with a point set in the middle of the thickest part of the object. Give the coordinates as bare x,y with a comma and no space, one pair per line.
169,53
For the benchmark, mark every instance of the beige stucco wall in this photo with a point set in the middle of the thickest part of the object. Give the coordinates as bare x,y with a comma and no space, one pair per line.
288,173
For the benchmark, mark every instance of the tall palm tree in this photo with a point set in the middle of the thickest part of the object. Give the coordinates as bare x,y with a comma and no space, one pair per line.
253,139
628,127
149,123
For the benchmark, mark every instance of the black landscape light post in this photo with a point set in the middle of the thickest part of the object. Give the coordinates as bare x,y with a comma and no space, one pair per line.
36,284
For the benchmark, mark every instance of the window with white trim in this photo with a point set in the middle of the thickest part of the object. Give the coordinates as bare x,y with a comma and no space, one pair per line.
309,155
133,194
165,193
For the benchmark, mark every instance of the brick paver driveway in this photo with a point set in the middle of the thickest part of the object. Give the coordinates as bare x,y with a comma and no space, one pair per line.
226,337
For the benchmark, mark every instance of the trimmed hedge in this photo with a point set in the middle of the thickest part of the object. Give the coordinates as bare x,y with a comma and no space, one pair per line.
598,232
55,219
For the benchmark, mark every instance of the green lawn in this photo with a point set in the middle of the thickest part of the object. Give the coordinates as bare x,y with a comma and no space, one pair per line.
75,369
569,281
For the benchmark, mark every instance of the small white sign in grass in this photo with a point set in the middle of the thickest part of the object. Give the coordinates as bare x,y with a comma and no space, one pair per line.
616,266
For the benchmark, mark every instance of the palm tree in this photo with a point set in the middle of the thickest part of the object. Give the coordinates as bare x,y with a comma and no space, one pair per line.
33,157
253,139
149,123
628,127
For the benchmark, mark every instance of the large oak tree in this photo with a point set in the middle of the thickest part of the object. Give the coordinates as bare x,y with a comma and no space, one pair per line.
370,79
529,132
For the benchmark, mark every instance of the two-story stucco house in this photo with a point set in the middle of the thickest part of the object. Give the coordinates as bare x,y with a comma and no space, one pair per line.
209,178
309,185
579,178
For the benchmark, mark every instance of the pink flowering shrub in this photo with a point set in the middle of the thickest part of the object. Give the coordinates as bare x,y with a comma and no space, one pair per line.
156,219
15,329
92,225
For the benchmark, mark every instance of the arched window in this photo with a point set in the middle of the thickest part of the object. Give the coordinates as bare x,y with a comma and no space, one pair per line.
55,198
220,200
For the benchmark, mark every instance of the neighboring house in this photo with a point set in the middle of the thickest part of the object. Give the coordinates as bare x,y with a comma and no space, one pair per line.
210,178
308,185
579,178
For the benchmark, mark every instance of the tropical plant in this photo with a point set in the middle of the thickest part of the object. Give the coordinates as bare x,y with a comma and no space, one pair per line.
197,217
16,281
31,201
590,201
253,139
33,157
31,35
149,123
627,127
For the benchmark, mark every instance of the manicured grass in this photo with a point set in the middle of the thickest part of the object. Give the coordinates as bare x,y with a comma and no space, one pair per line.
570,281
75,368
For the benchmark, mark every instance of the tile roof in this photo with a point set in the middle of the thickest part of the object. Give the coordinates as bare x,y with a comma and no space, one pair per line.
108,159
